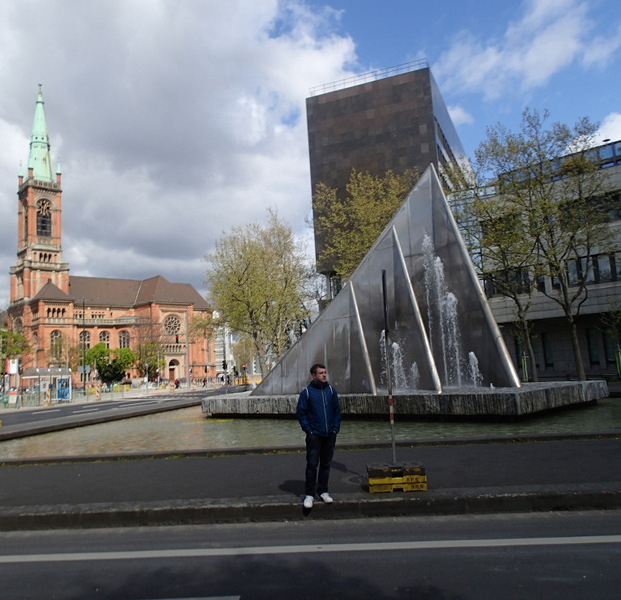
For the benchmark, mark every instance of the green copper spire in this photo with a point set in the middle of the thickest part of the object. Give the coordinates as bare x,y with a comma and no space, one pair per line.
39,156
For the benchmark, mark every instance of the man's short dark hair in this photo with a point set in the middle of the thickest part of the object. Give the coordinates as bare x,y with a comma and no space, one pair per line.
316,366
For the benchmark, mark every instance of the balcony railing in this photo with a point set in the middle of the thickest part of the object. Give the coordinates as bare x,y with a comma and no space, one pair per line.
79,321
174,348
118,321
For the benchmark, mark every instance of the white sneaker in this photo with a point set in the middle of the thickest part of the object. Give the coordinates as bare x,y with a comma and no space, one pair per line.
308,502
326,498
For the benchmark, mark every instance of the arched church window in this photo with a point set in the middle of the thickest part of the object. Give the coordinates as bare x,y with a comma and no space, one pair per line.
124,339
44,217
104,338
18,325
25,220
56,345
85,339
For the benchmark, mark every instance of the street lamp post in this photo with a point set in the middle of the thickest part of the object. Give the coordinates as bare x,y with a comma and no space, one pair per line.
84,346
187,350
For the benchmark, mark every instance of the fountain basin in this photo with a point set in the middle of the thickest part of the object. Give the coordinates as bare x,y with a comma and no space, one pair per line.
529,399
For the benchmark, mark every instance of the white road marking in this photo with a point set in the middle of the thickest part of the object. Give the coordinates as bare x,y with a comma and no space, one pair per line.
135,404
206,598
309,549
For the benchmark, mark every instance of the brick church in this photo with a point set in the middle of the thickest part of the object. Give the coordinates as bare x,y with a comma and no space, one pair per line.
63,315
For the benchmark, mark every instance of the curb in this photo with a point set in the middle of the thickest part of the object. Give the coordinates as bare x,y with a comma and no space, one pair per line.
346,506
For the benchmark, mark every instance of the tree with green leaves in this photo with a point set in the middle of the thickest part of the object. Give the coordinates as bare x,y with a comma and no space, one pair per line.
201,328
149,349
350,223
255,281
536,206
507,268
12,345
110,364
243,350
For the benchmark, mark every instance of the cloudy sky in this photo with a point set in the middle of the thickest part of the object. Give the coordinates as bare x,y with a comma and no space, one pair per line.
175,120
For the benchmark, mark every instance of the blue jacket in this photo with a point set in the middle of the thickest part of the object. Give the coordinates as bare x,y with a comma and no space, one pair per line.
318,409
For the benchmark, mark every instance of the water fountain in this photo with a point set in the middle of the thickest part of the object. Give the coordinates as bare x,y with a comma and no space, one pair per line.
447,354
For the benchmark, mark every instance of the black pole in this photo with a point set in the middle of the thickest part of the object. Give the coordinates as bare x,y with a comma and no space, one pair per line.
388,369
84,347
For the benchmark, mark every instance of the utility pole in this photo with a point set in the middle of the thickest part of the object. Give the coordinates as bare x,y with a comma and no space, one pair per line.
187,350
84,346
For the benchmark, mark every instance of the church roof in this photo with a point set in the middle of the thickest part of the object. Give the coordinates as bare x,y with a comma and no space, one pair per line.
39,156
51,292
132,292
161,290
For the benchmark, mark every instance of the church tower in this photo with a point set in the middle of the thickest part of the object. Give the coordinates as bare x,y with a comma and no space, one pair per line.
39,211
40,271
62,316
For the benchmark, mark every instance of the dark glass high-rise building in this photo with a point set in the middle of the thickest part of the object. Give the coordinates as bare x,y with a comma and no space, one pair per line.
376,122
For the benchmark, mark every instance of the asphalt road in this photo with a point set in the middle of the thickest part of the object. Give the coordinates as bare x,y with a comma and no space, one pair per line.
510,475
29,421
564,556
205,487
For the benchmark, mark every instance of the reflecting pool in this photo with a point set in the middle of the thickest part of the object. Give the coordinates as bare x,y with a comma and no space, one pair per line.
189,429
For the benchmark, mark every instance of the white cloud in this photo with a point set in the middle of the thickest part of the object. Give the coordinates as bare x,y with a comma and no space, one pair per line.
610,128
459,115
175,121
602,49
548,37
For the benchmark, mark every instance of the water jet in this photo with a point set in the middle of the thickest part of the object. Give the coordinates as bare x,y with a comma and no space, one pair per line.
447,352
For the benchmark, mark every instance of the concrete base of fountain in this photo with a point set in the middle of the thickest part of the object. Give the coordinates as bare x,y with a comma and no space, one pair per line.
474,403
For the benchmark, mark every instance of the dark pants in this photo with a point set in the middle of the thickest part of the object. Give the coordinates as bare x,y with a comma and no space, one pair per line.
319,453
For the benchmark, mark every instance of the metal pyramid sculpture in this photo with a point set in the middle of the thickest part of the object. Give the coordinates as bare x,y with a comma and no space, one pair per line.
442,334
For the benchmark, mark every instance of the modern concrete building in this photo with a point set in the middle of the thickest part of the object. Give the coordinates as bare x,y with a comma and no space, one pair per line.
60,313
389,119
599,345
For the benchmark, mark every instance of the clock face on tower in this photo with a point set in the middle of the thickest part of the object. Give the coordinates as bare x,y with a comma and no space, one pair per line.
44,207
44,217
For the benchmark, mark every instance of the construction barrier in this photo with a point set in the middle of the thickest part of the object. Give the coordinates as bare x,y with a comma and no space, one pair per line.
400,477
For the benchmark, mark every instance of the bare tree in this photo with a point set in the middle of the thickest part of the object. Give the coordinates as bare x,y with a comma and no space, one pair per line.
538,208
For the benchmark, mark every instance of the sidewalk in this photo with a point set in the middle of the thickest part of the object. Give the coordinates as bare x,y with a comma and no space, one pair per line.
198,487
91,398
182,398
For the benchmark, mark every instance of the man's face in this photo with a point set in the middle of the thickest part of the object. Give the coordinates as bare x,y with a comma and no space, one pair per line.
320,375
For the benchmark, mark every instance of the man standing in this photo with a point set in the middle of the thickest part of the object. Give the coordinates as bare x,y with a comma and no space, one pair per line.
319,414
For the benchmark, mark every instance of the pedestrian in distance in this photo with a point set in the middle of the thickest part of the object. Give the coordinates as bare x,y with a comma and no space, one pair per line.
319,414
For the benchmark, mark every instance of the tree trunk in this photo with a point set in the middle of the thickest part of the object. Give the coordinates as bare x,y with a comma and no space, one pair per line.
575,344
531,354
261,354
